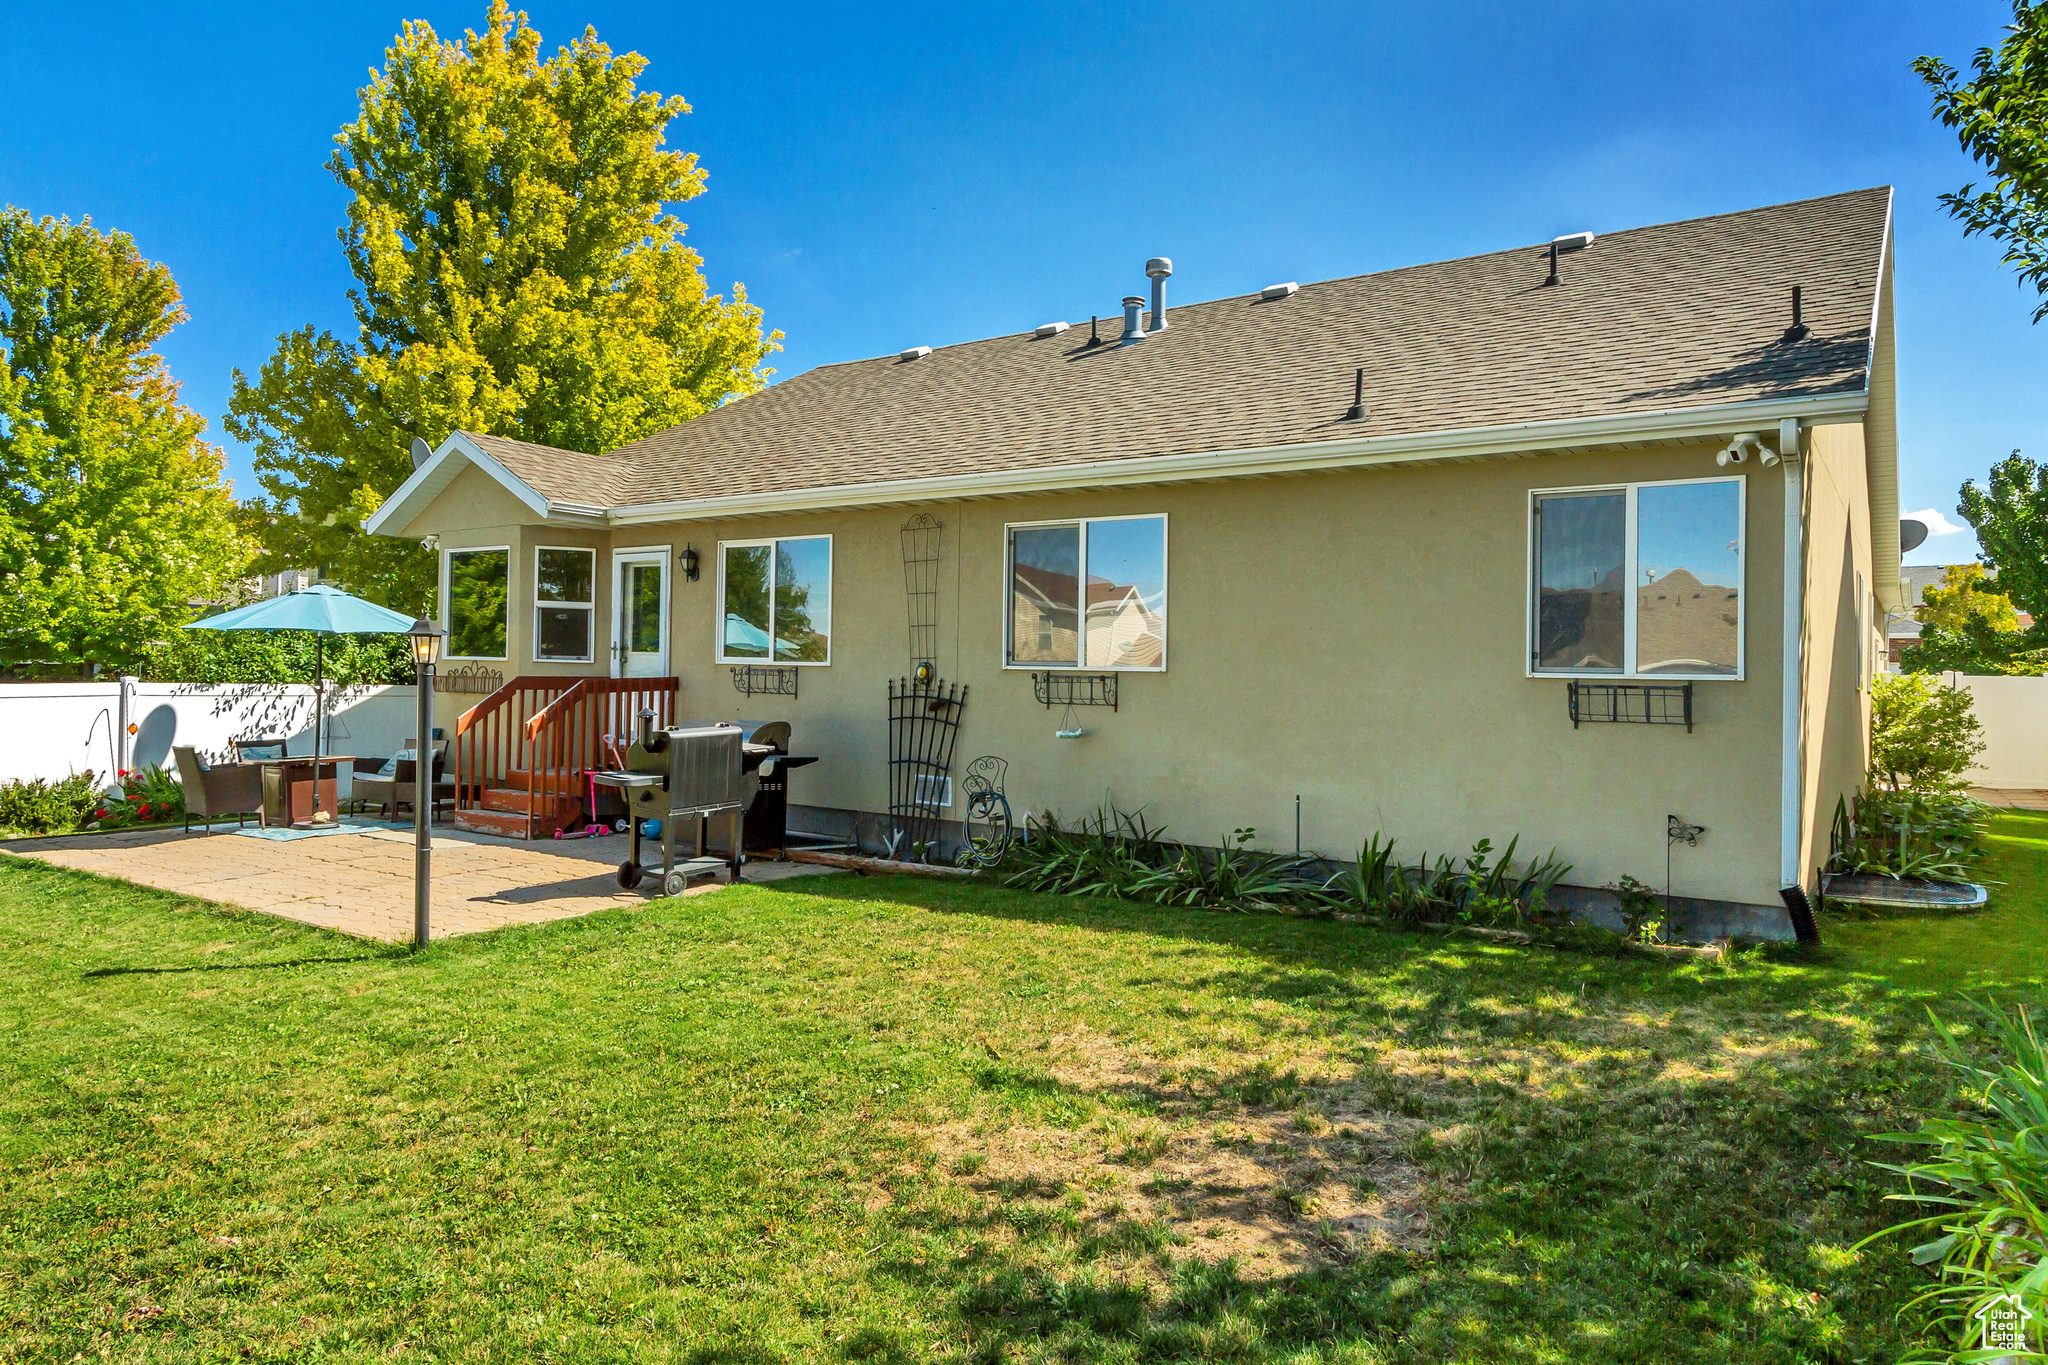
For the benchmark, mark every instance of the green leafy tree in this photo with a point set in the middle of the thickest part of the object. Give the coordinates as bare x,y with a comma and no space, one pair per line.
113,513
2010,516
516,272
1965,593
2001,118
1923,736
1976,646
275,656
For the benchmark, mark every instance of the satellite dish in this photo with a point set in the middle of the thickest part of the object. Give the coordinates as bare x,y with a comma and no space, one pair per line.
1911,533
422,452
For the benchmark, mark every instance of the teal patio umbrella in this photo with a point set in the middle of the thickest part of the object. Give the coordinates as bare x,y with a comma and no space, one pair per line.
325,611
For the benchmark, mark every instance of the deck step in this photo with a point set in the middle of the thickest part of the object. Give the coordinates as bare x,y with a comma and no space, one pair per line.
520,800
519,777
506,824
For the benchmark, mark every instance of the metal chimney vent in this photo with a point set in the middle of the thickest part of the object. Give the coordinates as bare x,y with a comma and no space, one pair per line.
1133,331
1158,268
1279,291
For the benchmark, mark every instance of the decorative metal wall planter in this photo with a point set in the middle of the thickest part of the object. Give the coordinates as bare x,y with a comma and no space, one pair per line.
756,680
470,678
924,721
1053,688
1629,703
988,815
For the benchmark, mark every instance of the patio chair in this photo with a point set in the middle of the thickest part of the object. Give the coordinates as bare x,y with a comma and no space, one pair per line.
246,749
391,786
215,793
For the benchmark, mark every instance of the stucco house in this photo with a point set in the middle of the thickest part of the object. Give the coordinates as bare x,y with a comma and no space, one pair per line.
1425,548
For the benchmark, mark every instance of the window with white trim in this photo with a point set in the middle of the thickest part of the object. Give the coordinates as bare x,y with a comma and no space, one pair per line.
476,585
1087,594
564,608
777,601
1638,580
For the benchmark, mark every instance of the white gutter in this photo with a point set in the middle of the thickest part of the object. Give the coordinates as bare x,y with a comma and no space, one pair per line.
1677,424
1792,661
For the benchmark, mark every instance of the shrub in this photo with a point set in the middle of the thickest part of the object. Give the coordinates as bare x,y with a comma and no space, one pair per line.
151,795
1932,835
39,806
1923,736
1986,1180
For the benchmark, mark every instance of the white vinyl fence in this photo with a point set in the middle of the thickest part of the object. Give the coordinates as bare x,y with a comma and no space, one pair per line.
52,730
2014,713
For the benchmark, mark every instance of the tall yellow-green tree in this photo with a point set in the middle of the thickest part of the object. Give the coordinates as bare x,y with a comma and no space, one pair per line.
517,272
113,513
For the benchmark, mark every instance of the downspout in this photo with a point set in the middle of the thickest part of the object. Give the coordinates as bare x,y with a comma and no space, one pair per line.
1792,657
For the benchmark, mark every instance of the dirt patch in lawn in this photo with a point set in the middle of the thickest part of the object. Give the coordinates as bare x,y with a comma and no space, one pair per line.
1281,1166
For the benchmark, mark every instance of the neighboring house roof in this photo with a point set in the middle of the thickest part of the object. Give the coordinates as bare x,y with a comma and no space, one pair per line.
1462,357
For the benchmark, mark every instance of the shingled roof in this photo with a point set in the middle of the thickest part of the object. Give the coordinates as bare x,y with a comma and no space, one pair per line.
1648,321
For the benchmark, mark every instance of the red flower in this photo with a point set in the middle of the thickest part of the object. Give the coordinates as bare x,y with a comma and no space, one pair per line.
143,811
100,814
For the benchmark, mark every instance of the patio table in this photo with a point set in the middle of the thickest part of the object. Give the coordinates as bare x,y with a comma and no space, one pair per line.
288,787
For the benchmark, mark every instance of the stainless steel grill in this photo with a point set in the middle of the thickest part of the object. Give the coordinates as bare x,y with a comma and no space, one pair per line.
688,774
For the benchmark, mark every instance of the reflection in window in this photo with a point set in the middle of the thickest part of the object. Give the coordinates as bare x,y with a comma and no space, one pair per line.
1580,544
1689,579
803,600
778,600
1045,594
1116,566
563,607
478,596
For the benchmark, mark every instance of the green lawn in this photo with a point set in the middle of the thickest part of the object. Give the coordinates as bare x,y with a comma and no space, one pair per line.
891,1119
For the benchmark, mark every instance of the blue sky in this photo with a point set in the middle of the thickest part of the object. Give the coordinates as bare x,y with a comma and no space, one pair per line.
882,178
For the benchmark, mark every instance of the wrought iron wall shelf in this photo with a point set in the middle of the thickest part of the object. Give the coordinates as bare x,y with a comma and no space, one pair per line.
757,681
472,679
1074,689
1629,703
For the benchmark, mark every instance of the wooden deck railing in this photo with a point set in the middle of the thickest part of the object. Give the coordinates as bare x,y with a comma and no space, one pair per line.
565,739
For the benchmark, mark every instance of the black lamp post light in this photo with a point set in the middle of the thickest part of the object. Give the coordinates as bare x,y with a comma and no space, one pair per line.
426,648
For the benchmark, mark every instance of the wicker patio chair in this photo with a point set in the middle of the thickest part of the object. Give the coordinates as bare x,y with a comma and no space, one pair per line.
216,793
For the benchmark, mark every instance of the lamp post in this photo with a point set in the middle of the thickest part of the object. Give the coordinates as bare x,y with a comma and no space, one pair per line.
426,647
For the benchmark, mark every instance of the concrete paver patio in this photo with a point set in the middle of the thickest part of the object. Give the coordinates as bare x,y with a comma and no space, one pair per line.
361,882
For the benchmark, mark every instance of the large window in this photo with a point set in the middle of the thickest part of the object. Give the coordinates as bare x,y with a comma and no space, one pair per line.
476,588
563,605
1641,580
1088,594
777,596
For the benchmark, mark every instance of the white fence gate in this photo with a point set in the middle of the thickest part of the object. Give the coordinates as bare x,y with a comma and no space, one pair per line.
52,730
2014,713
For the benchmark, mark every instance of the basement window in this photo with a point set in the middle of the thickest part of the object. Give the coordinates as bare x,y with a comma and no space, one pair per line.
476,592
1117,564
1639,580
563,607
777,597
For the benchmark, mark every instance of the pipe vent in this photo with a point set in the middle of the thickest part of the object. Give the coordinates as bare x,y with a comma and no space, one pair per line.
915,353
1133,328
1157,269
1050,329
1279,291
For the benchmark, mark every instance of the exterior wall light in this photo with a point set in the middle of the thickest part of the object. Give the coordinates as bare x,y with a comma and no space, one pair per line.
689,558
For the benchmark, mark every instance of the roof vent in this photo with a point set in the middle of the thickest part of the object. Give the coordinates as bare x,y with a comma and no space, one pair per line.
1798,331
1573,241
1279,291
1050,329
1158,268
1132,330
915,353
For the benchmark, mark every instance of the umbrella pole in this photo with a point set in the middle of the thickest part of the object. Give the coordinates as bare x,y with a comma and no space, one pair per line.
319,679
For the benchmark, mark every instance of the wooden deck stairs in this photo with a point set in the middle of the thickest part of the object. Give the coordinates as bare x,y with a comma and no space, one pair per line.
523,755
